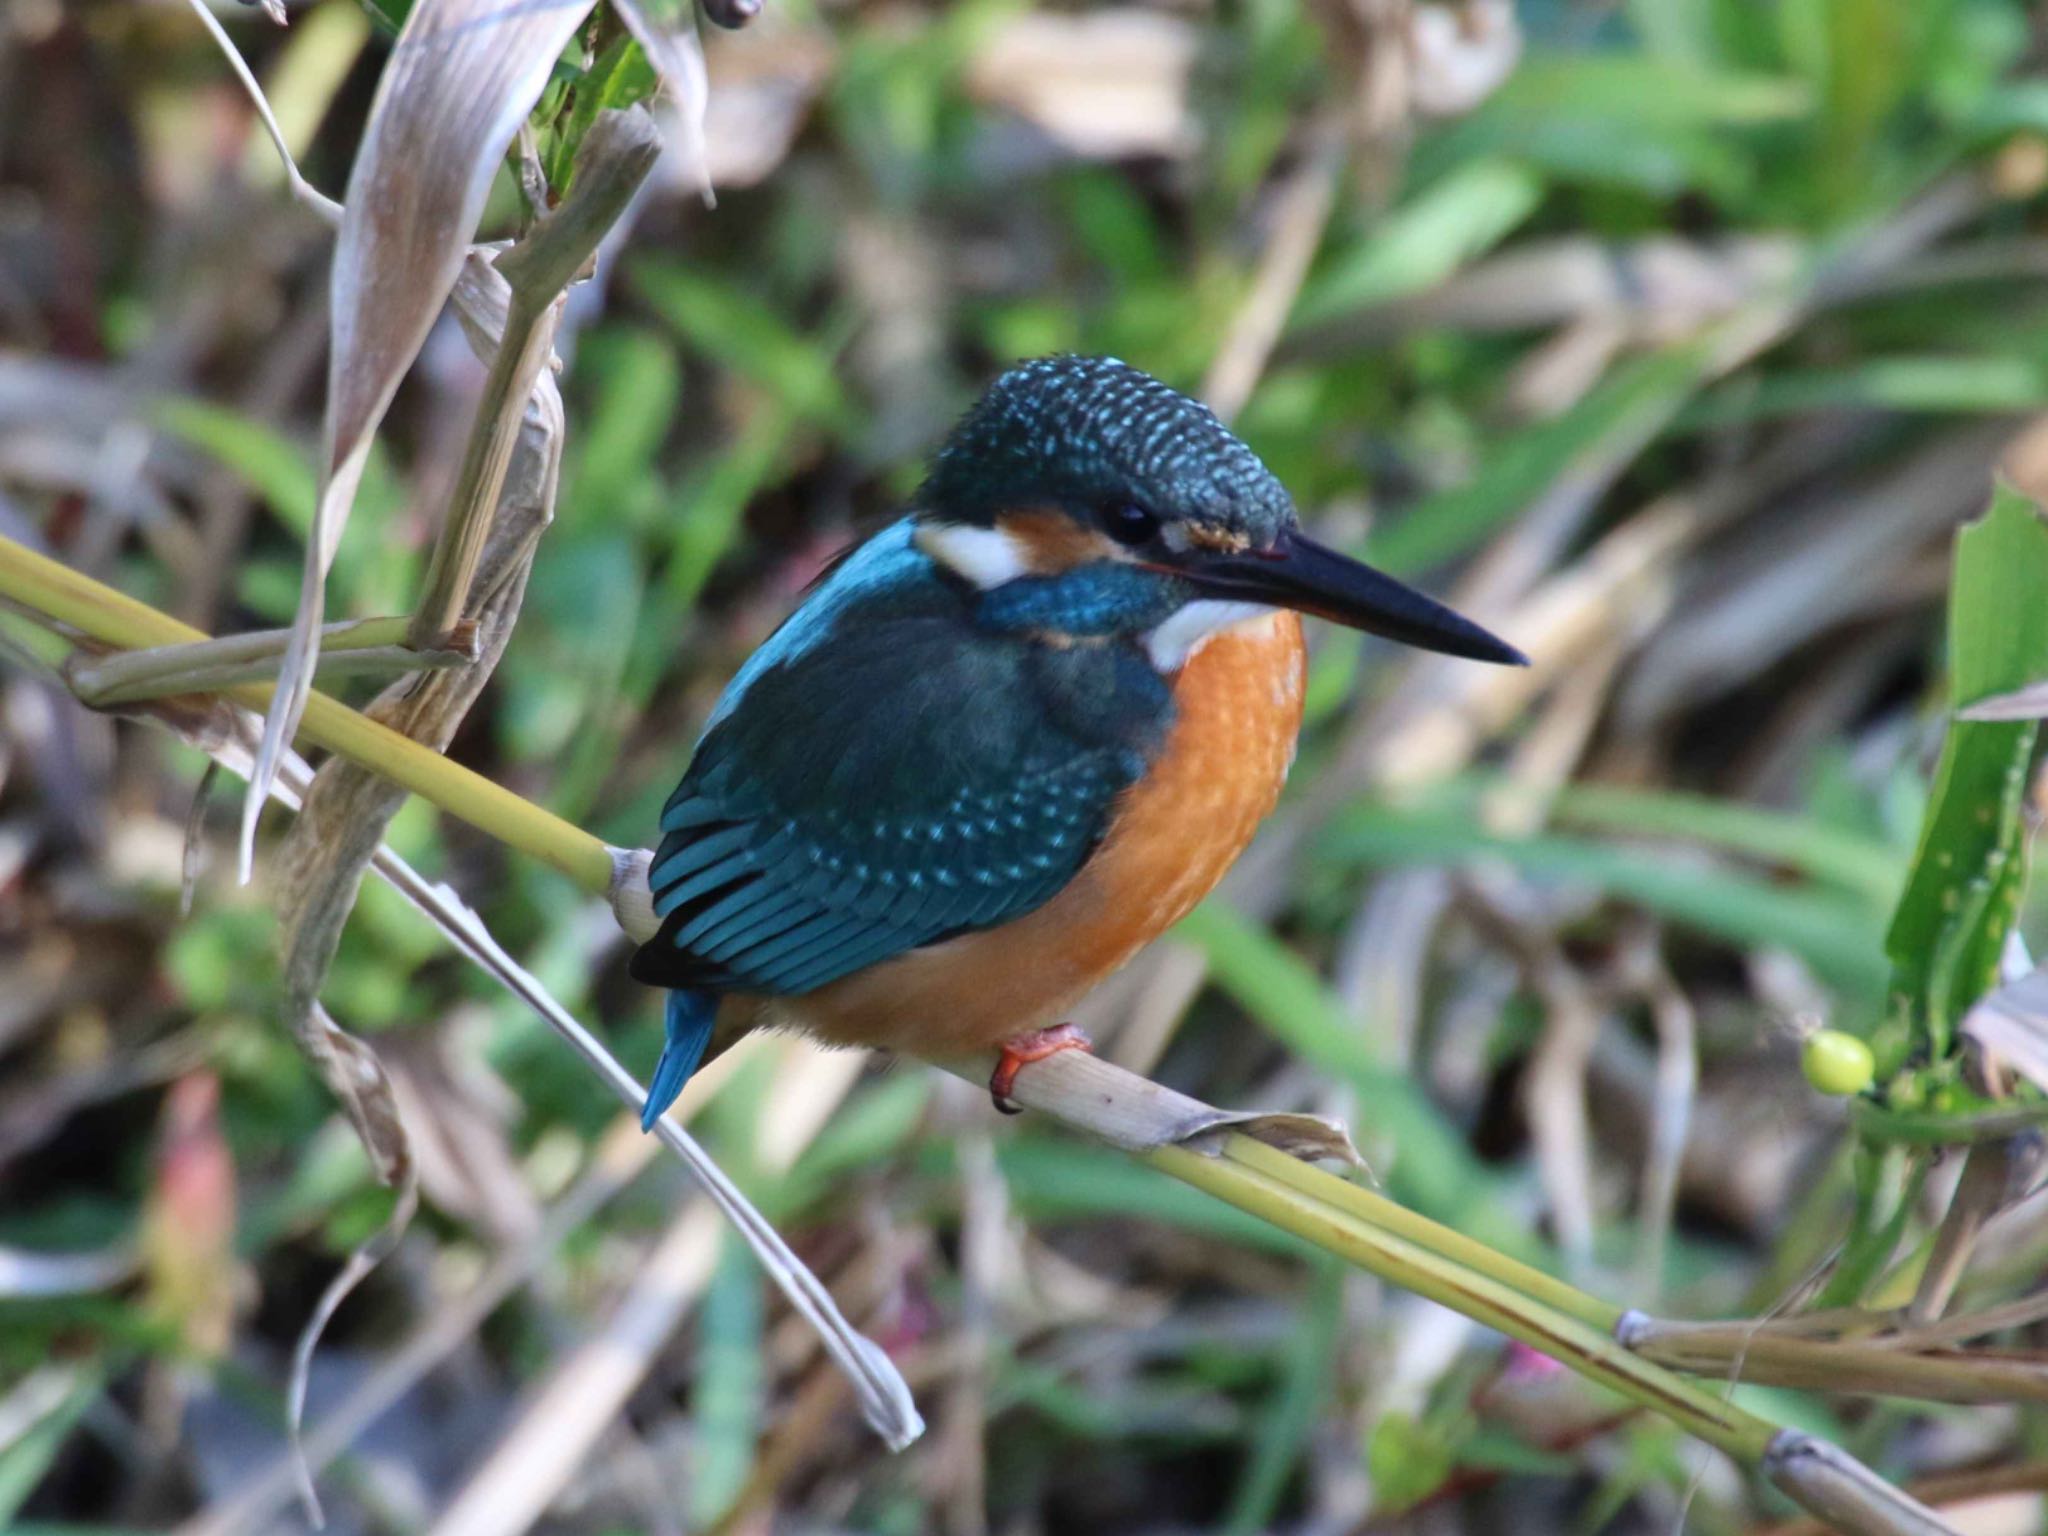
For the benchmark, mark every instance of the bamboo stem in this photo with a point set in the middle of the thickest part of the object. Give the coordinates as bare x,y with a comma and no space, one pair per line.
1388,1216
1478,1295
1838,1365
47,587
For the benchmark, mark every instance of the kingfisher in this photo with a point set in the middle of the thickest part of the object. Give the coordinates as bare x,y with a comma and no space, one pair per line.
1007,741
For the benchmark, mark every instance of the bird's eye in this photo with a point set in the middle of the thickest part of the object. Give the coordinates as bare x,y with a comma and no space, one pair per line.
1129,523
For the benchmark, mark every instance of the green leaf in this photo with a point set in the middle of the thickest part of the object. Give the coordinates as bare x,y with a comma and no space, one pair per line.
1290,1418
1837,937
1461,216
1858,863
635,383
27,1456
275,468
1408,1458
731,1389
1966,385
1643,91
1961,894
738,330
618,77
1628,408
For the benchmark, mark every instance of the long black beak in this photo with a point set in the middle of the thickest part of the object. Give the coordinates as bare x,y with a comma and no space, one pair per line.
1297,572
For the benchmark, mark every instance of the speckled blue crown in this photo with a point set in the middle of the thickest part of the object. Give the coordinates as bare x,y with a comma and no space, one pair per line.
1082,431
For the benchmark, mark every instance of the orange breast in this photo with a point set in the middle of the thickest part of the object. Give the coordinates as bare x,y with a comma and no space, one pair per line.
1237,714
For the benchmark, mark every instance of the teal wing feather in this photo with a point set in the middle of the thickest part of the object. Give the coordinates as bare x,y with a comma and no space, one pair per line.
882,776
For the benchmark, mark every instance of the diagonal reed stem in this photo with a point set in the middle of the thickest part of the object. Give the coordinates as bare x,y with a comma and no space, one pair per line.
99,613
1481,1293
1353,1223
351,646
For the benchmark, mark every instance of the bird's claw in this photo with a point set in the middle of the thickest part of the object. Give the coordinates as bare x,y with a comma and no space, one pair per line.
1025,1049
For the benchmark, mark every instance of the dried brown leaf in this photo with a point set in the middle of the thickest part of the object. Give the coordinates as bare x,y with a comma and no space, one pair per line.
678,57
1139,1115
2028,703
2009,1025
371,1252
461,78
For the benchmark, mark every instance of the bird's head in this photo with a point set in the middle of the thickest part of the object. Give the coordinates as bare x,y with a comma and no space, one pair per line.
1085,498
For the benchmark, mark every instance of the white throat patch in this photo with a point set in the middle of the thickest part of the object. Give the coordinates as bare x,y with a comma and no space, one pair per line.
1170,644
988,557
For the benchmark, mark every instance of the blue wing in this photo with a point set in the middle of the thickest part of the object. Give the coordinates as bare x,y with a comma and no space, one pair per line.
883,775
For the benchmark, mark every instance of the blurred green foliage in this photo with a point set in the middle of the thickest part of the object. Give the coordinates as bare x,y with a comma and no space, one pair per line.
727,432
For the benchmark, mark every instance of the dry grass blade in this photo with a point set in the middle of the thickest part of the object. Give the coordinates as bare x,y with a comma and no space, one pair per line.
371,1252
615,157
2009,1027
302,190
206,666
1766,1357
885,1398
679,58
1844,1492
2029,703
1347,1220
462,77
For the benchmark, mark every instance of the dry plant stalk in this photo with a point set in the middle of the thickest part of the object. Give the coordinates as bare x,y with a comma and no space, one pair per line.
347,648
503,500
462,77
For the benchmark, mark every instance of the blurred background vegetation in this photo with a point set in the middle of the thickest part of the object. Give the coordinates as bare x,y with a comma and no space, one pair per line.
1672,338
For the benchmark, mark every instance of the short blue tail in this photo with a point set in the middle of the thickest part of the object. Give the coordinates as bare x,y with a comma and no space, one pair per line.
690,1017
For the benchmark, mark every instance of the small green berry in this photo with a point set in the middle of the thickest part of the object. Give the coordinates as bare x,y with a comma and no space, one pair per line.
1837,1063
1907,1093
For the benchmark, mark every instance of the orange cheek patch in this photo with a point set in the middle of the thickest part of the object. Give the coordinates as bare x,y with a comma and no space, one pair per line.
1051,542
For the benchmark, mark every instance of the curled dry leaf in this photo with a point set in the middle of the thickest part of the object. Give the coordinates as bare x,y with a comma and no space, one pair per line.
461,78
1139,1115
1844,1492
2008,1026
2029,703
371,1252
1460,55
357,1079
678,57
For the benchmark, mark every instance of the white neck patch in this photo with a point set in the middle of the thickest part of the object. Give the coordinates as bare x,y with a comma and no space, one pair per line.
1170,644
988,557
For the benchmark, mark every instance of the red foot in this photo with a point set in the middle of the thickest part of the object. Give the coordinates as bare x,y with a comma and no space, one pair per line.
1025,1049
